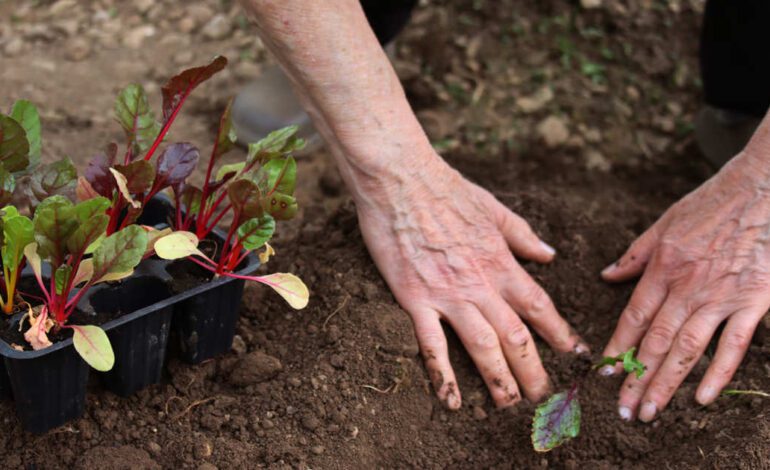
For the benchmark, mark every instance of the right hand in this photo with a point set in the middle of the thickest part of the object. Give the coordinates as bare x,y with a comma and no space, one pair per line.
444,247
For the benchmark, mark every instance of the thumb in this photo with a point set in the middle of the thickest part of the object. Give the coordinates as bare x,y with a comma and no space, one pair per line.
635,259
521,238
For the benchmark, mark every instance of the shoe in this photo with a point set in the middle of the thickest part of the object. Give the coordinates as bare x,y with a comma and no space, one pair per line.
721,134
268,104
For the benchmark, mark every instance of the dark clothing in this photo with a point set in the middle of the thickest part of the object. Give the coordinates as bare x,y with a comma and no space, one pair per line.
735,64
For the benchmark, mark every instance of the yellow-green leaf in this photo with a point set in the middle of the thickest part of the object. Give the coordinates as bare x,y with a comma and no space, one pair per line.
288,286
93,345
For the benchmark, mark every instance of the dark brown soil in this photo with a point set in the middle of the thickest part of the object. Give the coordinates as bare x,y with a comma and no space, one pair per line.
341,384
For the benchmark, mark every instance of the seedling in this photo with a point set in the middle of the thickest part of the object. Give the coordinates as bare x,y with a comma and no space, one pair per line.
251,195
557,420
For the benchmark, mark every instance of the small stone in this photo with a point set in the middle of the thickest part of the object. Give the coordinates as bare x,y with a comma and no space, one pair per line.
218,27
596,161
337,362
294,381
200,13
186,25
184,57
239,345
310,422
68,27
13,47
61,6
267,424
77,49
143,6
536,101
134,38
254,368
590,4
479,413
246,70
203,450
317,450
154,448
553,131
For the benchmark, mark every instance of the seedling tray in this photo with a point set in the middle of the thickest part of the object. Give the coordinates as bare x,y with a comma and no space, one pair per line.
49,386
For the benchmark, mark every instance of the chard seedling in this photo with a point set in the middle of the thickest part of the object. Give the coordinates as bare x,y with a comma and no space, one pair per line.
253,194
17,232
70,238
557,420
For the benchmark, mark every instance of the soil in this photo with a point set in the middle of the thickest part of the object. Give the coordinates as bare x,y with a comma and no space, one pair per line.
340,384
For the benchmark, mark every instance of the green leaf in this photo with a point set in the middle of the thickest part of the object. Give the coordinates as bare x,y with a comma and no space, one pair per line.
18,232
25,113
276,144
281,175
59,177
93,345
88,232
280,206
133,112
7,186
139,176
630,363
225,170
54,222
256,232
120,252
226,134
62,278
91,208
191,199
556,421
14,146
245,197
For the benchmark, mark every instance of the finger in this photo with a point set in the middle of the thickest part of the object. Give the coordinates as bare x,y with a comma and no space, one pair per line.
633,262
481,342
433,345
732,347
687,349
519,348
521,238
534,305
646,300
653,351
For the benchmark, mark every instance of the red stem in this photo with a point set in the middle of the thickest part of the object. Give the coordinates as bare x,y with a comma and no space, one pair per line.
167,125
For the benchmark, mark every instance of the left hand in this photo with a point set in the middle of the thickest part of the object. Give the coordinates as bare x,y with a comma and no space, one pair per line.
704,262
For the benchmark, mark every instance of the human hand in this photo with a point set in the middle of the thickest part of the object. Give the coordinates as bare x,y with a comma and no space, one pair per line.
704,262
442,244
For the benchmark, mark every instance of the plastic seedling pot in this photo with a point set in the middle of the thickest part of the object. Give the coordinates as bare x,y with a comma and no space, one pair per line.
205,316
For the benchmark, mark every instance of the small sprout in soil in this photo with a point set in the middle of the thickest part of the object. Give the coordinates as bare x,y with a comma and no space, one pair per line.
732,392
557,420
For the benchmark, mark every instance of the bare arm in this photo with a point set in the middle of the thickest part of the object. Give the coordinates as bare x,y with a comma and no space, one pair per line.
442,244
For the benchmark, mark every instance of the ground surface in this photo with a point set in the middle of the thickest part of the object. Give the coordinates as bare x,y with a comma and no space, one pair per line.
578,119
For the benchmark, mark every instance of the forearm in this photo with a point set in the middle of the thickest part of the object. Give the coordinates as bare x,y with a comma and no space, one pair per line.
349,88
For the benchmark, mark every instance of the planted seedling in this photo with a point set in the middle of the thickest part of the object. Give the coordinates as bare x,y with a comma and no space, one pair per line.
17,232
557,420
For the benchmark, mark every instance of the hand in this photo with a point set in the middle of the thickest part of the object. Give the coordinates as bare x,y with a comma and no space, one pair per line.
442,244
706,261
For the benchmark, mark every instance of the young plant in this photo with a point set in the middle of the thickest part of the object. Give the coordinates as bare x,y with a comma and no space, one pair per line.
557,420
70,237
17,232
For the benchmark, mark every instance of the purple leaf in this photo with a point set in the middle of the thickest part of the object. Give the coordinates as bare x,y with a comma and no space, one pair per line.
556,421
176,163
98,171
179,87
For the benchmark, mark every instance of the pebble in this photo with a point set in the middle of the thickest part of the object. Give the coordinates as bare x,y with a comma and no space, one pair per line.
310,422
13,47
317,450
77,49
183,57
203,450
186,24
200,13
239,345
254,368
135,38
596,161
479,413
337,361
553,131
246,70
536,101
218,27
590,4
154,448
143,6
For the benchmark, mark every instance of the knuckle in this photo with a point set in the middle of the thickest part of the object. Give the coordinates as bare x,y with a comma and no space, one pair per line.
518,335
658,339
688,342
737,340
484,340
636,316
723,372
536,300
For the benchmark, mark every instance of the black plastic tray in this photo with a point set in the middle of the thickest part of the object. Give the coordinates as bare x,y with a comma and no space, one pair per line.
49,386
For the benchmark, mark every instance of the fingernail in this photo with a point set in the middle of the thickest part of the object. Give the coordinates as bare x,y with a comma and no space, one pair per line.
581,348
706,395
607,371
648,411
453,401
610,269
625,413
551,250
